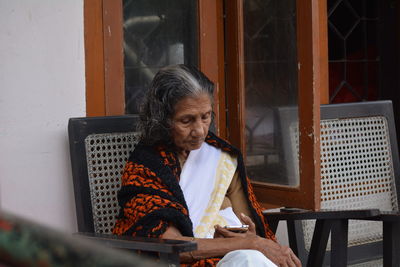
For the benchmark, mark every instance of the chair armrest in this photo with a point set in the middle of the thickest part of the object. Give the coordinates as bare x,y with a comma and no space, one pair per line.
386,216
390,216
142,243
300,214
291,214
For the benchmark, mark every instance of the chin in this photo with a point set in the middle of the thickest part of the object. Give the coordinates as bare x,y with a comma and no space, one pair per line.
195,146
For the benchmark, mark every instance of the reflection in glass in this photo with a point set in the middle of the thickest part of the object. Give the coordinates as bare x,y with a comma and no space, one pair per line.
157,33
271,87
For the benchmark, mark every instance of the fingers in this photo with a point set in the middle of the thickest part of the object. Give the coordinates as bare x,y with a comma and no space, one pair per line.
280,255
221,231
296,260
247,220
290,258
216,233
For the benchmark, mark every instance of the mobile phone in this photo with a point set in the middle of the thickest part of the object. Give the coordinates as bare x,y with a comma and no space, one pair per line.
237,228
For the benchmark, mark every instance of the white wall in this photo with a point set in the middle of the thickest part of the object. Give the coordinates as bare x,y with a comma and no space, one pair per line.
42,84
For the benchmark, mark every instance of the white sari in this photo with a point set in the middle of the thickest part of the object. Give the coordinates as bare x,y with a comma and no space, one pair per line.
204,180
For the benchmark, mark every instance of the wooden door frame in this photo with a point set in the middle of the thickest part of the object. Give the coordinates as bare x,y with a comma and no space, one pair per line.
312,86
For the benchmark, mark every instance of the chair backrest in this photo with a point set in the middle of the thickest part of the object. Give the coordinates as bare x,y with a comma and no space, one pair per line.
359,163
99,149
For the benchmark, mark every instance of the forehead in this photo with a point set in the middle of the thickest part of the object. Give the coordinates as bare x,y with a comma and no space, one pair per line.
193,105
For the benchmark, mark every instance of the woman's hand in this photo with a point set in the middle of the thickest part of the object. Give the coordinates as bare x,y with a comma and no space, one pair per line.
280,255
251,232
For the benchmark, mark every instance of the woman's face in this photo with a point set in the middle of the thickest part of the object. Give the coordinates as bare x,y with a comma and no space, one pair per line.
191,121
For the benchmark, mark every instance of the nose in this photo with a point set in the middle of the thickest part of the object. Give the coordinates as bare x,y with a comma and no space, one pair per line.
198,129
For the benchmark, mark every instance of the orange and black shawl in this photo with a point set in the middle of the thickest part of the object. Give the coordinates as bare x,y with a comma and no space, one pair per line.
151,199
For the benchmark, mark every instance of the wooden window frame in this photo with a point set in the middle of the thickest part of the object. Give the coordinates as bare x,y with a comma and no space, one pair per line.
212,55
104,58
312,86
105,95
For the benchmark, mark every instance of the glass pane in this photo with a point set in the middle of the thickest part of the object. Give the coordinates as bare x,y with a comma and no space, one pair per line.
157,33
354,57
271,91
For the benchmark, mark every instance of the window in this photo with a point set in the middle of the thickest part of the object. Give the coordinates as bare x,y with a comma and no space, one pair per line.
157,33
304,70
270,73
194,30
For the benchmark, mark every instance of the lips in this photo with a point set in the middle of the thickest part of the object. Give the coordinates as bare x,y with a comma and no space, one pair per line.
197,142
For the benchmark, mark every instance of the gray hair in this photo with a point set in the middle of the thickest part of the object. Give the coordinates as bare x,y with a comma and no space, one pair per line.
170,85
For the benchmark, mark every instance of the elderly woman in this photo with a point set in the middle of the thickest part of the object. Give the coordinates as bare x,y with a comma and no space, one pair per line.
183,182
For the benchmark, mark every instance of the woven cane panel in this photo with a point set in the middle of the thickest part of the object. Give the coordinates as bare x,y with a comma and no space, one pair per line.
106,157
373,263
356,173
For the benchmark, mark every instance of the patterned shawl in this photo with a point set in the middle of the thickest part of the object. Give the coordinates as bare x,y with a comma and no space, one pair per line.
151,198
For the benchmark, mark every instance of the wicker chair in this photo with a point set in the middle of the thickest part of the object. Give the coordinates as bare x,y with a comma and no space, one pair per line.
359,166
99,149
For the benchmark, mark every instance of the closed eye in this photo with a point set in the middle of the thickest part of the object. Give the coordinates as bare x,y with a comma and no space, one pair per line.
185,120
206,116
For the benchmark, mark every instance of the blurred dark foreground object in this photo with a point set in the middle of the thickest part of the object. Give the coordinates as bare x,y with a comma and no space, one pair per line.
23,243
